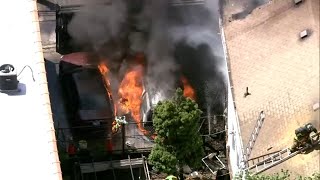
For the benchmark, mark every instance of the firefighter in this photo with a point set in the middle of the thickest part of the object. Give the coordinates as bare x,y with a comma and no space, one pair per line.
117,124
171,177
302,138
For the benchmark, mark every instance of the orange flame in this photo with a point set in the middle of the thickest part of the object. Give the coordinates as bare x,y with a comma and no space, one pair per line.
105,72
103,68
130,91
188,91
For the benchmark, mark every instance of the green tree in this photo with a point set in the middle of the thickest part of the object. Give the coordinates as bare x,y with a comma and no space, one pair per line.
283,175
178,141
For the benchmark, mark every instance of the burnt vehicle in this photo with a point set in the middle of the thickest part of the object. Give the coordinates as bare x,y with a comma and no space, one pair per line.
89,107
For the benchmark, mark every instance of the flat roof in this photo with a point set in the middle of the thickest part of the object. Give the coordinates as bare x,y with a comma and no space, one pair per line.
281,72
28,145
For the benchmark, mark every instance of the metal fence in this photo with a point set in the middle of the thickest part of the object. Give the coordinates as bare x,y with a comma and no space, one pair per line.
86,168
212,125
128,138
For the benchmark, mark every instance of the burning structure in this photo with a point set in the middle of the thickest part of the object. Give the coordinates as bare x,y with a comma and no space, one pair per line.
149,44
146,49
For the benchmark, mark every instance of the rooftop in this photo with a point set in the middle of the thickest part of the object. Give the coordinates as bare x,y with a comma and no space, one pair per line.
27,134
281,72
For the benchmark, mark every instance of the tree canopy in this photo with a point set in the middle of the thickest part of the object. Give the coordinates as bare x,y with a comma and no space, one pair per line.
283,175
178,142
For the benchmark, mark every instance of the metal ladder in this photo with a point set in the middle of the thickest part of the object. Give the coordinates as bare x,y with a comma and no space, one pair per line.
273,160
253,137
277,158
187,2
261,158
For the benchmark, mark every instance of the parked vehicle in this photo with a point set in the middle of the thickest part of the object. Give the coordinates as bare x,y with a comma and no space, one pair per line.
89,107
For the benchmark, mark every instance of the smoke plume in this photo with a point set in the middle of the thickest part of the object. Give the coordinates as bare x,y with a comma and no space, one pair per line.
95,24
185,40
247,7
197,51
100,26
177,40
161,69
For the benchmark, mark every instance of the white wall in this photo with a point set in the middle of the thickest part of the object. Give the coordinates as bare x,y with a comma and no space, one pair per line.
234,141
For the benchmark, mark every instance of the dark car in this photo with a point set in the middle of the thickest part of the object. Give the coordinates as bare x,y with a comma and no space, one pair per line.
89,107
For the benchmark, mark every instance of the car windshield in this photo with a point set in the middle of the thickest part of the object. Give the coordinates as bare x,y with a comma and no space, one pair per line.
93,102
91,90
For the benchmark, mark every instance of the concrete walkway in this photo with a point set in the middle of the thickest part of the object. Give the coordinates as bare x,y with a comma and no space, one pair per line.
28,148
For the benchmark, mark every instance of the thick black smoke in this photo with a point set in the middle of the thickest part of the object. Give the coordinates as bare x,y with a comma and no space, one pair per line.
198,52
177,40
101,27
161,69
247,7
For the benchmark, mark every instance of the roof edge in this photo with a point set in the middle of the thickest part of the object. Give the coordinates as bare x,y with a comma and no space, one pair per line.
43,83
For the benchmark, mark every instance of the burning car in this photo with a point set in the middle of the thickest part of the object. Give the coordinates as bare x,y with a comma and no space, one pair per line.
90,108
